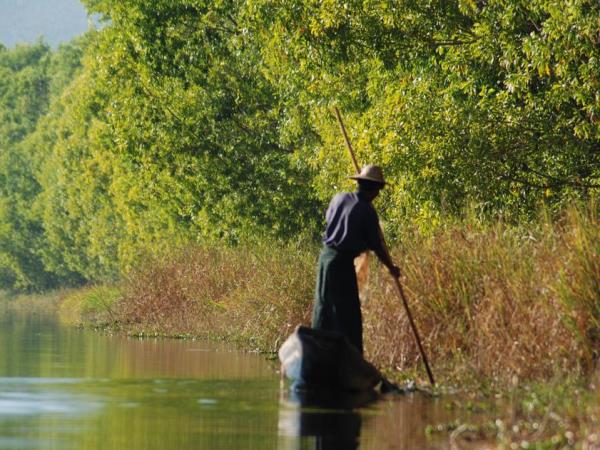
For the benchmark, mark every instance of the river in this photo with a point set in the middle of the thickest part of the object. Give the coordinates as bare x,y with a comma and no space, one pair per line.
67,388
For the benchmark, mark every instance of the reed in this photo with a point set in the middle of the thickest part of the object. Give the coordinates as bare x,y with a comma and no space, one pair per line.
492,301
255,295
89,305
496,301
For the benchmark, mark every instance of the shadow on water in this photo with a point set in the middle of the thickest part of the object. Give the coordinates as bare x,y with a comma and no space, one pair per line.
330,418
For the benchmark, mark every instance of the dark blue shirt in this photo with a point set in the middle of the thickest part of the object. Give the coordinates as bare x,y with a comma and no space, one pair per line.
352,225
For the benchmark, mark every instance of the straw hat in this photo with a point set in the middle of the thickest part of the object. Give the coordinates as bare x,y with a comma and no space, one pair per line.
370,173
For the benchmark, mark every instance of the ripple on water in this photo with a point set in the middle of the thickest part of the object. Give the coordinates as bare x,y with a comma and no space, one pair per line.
20,403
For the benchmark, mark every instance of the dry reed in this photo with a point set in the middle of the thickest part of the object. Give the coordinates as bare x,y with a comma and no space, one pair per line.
256,295
493,302
498,302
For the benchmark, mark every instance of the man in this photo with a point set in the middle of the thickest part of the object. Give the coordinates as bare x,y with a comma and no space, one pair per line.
352,228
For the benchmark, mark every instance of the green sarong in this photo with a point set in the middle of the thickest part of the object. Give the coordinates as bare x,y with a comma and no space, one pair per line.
337,305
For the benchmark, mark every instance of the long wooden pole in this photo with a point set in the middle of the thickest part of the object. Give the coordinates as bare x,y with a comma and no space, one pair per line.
397,283
347,139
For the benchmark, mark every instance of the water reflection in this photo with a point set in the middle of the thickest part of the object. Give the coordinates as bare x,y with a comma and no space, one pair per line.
38,346
323,420
63,388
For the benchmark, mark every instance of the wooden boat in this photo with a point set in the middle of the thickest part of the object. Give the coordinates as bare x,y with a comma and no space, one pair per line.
315,359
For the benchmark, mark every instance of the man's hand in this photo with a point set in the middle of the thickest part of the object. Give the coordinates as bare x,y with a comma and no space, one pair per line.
394,271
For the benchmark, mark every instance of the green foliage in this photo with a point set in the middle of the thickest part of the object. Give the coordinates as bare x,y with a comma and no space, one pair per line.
487,102
189,120
24,90
31,76
201,120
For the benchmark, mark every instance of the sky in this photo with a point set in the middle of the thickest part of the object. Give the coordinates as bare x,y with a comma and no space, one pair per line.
57,21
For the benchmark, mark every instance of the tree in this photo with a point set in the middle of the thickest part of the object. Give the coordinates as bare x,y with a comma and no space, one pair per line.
489,102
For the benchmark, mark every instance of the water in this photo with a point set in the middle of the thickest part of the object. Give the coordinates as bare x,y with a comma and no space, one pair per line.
65,388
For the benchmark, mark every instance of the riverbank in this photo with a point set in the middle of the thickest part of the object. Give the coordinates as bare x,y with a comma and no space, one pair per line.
508,313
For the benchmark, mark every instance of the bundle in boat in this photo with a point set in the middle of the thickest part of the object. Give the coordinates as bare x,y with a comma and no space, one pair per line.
325,359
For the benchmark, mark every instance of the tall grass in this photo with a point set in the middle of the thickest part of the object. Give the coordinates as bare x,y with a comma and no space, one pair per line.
256,295
496,301
491,301
90,305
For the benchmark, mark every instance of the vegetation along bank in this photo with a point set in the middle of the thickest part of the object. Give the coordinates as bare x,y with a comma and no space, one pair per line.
503,311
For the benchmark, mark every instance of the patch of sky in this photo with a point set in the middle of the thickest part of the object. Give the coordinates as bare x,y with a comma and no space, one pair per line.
53,21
